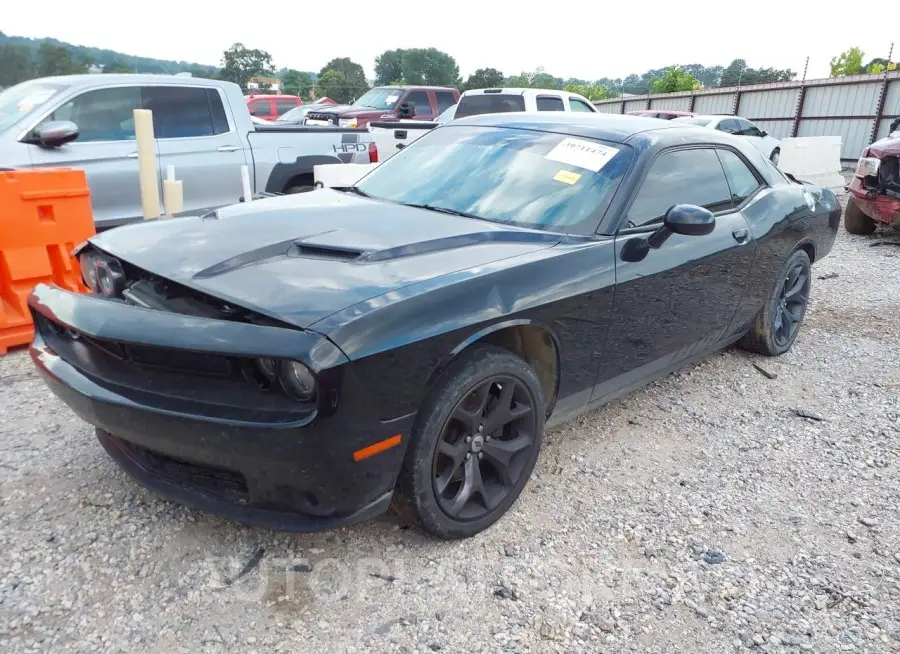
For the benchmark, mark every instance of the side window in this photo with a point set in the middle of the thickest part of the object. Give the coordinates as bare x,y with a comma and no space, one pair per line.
680,177
423,106
729,125
284,105
445,100
219,117
260,108
550,103
102,115
746,128
180,112
579,105
741,180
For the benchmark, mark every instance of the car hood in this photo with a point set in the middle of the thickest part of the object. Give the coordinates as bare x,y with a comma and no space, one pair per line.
301,258
349,111
886,147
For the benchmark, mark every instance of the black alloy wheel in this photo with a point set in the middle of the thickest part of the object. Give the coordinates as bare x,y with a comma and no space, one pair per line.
476,439
792,303
484,448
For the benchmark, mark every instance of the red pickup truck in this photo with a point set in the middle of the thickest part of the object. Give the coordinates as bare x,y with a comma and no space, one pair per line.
388,103
875,189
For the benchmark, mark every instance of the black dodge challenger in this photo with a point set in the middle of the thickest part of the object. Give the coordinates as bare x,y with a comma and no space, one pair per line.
309,361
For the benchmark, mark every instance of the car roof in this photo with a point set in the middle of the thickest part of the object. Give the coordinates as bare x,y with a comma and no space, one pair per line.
422,87
92,79
515,90
640,132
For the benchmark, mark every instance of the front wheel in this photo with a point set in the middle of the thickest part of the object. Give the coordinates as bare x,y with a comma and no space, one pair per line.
856,222
778,322
474,445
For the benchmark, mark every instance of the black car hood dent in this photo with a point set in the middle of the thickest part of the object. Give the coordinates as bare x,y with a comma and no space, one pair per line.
301,258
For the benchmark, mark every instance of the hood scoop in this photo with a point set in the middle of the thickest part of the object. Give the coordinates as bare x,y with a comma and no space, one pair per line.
283,249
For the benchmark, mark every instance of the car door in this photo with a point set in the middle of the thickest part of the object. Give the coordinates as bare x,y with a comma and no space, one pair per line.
728,125
423,104
105,149
445,100
678,301
549,103
577,104
284,105
196,136
261,108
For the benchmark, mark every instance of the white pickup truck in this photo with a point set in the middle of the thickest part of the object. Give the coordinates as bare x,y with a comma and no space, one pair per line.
391,137
202,127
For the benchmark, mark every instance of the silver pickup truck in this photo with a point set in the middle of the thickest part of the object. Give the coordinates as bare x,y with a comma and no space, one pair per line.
202,128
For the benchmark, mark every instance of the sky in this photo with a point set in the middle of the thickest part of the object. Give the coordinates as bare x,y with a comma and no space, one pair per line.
578,38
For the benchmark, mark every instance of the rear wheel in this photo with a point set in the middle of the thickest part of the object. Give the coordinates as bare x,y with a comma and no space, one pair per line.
778,322
856,222
303,184
475,443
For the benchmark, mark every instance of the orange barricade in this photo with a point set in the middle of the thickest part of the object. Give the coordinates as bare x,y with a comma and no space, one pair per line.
44,214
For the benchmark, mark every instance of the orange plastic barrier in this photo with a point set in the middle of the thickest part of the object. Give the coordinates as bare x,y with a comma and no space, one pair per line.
44,214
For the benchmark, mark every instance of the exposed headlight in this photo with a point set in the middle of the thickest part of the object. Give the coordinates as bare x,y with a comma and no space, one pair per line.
867,167
297,380
110,276
347,122
88,273
268,368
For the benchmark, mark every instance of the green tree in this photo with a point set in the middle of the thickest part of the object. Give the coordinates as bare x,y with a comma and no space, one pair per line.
879,65
847,63
389,66
484,78
296,82
57,60
117,66
593,92
673,81
16,65
536,79
239,64
738,73
352,80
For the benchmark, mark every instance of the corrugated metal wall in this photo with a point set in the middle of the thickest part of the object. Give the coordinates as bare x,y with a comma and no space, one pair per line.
843,106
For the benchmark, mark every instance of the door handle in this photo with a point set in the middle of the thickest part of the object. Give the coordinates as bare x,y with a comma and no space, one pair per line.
133,155
229,148
741,235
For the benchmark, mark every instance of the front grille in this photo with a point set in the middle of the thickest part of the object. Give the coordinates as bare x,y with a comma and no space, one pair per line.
314,115
214,480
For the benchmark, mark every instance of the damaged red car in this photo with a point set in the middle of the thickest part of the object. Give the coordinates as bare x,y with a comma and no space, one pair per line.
875,189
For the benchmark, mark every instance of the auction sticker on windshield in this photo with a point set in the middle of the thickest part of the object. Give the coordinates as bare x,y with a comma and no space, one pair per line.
589,155
37,98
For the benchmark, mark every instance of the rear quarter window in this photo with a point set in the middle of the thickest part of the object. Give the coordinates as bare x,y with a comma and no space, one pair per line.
489,103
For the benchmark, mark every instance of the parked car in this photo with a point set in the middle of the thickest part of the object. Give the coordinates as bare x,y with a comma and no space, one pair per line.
875,188
383,103
392,138
307,361
270,107
297,115
768,145
665,114
202,127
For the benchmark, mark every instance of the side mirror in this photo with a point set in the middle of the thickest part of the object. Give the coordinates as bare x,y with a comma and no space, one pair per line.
406,110
763,132
53,134
684,219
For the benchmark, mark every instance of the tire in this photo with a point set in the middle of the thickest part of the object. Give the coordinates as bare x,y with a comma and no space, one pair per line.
856,222
438,451
298,188
775,156
765,336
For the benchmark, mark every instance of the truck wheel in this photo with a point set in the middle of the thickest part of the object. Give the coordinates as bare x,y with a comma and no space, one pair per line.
298,188
301,184
856,222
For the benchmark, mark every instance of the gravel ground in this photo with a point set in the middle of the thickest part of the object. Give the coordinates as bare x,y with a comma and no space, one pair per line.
701,514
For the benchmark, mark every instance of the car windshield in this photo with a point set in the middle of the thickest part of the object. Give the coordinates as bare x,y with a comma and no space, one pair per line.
526,178
381,98
22,99
693,120
295,115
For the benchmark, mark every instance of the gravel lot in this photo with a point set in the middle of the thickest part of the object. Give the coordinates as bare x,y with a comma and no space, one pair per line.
701,514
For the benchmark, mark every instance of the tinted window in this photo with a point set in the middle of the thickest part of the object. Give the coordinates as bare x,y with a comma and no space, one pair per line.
741,180
489,103
102,115
179,111
423,106
445,100
579,105
746,128
284,105
728,125
549,103
220,119
502,175
260,107
680,177
703,122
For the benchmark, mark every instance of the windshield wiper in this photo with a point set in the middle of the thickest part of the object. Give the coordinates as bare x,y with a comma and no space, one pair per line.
452,212
353,189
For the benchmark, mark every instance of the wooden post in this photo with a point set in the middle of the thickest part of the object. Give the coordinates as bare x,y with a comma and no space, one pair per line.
149,176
